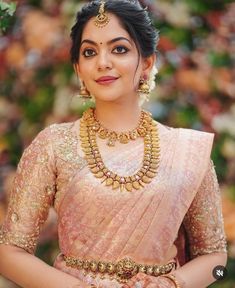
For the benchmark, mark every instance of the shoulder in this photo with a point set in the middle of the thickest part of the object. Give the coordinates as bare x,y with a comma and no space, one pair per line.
63,139
193,151
54,132
191,146
196,147
50,136
183,134
196,135
59,128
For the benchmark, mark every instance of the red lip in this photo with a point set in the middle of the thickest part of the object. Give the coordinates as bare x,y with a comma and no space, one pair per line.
106,79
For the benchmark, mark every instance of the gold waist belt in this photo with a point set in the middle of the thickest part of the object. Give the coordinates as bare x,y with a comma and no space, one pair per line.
122,270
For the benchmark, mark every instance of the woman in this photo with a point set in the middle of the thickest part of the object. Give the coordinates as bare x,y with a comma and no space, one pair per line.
132,196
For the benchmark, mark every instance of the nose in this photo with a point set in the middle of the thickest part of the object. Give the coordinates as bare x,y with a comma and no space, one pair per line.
104,61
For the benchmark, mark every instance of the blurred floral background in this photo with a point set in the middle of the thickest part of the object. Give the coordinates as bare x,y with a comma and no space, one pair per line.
195,87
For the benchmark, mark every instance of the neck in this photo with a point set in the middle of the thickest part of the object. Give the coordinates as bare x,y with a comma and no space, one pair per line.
118,117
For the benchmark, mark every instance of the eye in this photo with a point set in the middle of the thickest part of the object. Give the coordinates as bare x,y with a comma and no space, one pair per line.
88,52
120,50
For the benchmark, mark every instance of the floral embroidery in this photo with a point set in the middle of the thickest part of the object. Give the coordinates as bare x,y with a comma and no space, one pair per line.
204,221
35,185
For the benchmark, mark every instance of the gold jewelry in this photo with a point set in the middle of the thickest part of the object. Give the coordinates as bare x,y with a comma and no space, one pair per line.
92,154
122,137
173,279
84,93
144,87
144,90
102,18
122,270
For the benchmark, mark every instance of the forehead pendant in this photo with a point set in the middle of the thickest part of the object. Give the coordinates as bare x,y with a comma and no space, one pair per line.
102,18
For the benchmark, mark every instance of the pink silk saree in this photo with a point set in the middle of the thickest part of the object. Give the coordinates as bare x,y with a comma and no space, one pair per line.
176,216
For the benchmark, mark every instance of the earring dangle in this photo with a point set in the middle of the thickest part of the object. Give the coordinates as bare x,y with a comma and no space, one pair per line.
84,93
144,89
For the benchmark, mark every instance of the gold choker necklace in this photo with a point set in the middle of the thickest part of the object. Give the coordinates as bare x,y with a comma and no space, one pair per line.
96,165
122,137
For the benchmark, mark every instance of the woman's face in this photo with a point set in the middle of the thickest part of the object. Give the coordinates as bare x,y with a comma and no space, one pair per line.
109,63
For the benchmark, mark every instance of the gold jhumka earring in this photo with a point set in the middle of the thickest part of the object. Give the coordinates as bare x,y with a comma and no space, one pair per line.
83,92
102,18
144,89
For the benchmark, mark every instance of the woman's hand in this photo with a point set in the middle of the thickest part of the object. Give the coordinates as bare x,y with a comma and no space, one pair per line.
142,280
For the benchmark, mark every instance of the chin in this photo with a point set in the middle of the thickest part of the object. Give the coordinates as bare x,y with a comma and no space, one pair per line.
107,97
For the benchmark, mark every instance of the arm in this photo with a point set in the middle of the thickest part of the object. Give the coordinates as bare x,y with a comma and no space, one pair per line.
30,272
198,272
205,230
31,197
204,226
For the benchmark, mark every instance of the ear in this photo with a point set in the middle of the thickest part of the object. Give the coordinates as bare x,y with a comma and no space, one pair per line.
148,64
76,69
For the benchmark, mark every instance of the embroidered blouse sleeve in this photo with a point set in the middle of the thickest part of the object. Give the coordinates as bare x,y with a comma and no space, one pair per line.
204,221
31,196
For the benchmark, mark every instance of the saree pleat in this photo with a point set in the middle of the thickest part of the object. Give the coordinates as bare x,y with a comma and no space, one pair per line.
127,228
127,215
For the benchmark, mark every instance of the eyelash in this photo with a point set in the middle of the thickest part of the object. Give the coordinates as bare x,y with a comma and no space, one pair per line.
86,50
91,50
126,49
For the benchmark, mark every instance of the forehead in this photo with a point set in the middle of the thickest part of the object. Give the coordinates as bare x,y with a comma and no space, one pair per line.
112,30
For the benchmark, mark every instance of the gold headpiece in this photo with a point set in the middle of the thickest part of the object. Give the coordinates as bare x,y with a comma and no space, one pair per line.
102,18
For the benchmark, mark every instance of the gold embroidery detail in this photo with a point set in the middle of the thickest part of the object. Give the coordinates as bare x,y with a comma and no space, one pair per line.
14,217
204,220
68,160
50,189
28,243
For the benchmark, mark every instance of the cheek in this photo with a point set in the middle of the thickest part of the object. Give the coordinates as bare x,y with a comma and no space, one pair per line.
84,70
131,72
136,75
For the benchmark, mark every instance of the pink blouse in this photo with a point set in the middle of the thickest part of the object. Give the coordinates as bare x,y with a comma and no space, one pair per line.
179,211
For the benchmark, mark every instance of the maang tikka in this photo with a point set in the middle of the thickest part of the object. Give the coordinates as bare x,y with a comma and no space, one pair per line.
102,18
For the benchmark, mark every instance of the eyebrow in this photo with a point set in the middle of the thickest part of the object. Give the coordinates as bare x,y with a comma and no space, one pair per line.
109,42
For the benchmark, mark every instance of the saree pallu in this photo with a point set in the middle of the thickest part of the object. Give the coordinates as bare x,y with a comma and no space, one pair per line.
151,225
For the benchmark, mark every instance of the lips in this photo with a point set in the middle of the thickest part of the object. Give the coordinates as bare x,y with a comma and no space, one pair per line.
106,79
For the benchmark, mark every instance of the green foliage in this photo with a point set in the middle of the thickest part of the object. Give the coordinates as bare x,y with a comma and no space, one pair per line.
231,195
39,106
7,11
45,251
228,282
219,59
186,116
178,35
35,3
219,160
14,144
204,6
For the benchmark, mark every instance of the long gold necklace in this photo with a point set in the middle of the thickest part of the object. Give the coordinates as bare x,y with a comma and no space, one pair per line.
151,158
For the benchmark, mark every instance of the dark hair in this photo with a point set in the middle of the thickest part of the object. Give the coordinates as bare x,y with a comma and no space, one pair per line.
133,18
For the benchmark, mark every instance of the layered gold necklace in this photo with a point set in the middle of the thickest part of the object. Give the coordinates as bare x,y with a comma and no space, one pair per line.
147,127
